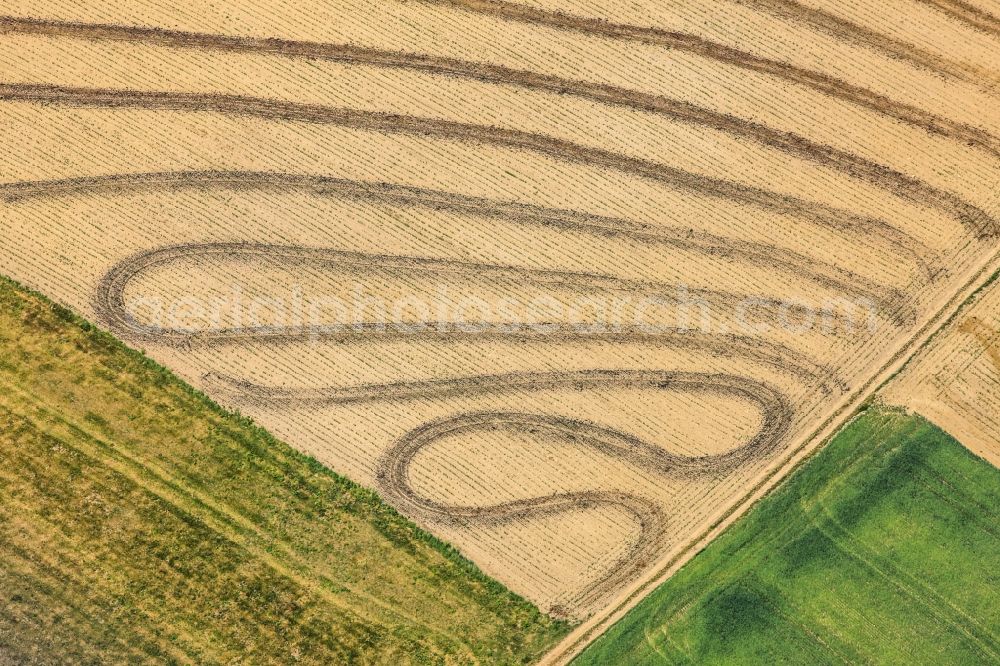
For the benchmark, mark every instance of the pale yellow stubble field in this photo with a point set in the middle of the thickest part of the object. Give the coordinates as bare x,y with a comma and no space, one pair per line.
649,166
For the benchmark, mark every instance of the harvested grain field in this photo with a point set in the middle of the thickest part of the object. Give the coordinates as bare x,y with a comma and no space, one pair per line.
345,219
955,380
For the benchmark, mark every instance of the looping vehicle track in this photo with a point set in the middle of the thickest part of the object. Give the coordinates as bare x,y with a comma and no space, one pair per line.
392,475
393,472
394,478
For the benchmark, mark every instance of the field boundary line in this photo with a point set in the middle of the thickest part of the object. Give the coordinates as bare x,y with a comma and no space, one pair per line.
593,628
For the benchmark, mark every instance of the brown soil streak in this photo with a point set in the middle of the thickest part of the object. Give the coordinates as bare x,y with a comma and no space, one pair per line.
824,83
882,176
987,337
393,471
830,275
977,220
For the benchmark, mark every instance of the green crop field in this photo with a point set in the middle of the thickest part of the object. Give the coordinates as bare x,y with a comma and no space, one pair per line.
884,548
139,522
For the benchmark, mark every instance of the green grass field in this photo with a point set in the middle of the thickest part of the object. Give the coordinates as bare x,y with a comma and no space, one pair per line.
884,548
139,523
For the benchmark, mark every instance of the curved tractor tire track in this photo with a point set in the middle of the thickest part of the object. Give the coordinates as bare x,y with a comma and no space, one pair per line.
110,304
795,264
112,311
899,184
393,472
977,220
823,83
852,33
259,395
775,408
969,15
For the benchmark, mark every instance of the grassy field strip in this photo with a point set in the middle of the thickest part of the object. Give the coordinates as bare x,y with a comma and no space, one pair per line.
804,560
725,579
225,522
910,586
825,522
144,523
589,630
53,571
215,517
56,561
758,550
59,566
